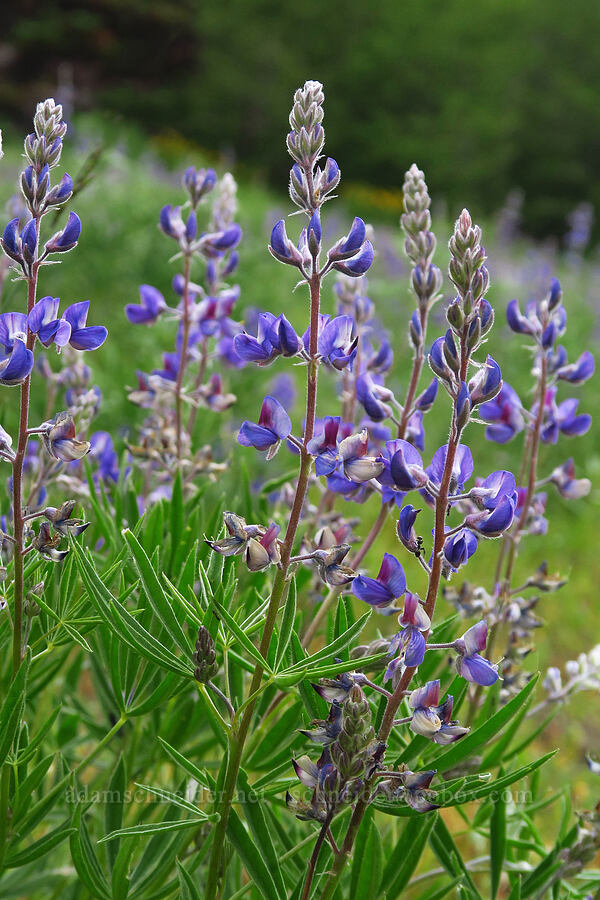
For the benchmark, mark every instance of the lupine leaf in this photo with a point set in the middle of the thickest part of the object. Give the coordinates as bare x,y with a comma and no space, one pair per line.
255,818
497,839
156,827
480,736
251,858
240,636
446,851
156,595
185,764
405,856
40,847
332,649
188,887
12,708
369,871
113,808
120,621
84,859
287,624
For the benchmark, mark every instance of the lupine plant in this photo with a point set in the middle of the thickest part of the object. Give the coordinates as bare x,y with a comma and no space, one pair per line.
258,748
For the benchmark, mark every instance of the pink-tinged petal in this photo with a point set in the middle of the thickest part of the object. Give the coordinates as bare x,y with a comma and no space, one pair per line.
306,770
414,613
427,695
475,638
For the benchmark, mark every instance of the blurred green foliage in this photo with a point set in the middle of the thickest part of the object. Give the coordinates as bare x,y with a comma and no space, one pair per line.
484,97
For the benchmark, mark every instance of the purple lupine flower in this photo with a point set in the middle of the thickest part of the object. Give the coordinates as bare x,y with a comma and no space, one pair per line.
214,245
381,592
359,264
405,528
424,702
356,465
43,320
170,221
338,342
102,451
561,418
239,535
16,361
12,241
47,543
83,337
410,641
324,447
284,338
493,523
505,413
432,719
282,248
259,349
372,395
262,552
470,664
151,306
379,363
61,519
199,182
577,372
65,240
336,690
326,730
487,383
213,394
61,192
349,245
536,523
462,468
330,568
459,548
408,466
414,789
274,425
488,493
426,399
569,487
60,441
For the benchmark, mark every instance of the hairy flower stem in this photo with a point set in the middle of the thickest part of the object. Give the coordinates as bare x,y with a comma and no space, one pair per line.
198,384
417,368
310,874
513,538
381,519
441,506
17,491
183,356
238,736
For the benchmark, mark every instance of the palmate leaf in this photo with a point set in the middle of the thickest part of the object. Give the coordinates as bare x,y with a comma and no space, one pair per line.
479,737
240,635
404,859
255,817
40,847
157,598
125,626
251,858
310,663
287,624
12,708
465,790
157,827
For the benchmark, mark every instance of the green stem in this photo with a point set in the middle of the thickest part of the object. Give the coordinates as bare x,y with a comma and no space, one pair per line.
441,505
237,740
